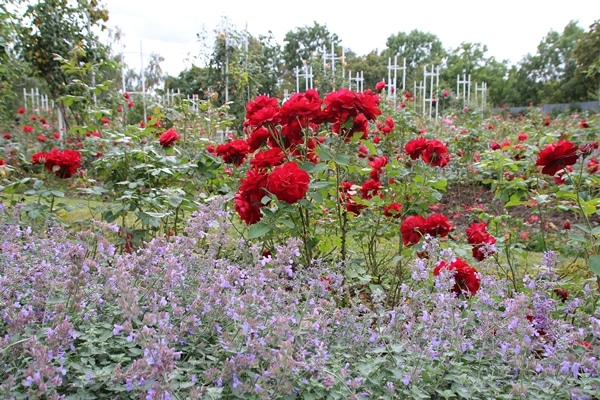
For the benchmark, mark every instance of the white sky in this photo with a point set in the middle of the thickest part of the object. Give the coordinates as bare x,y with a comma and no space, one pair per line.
510,28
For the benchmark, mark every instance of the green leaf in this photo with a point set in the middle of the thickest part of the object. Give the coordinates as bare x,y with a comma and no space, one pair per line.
594,263
258,230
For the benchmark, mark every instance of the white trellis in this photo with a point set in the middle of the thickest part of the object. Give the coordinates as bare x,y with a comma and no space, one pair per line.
168,98
480,95
359,80
36,100
418,92
306,73
332,57
393,69
465,85
428,90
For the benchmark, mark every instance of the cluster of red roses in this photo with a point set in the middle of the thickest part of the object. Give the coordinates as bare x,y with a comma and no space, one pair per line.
64,163
431,151
414,227
481,240
279,136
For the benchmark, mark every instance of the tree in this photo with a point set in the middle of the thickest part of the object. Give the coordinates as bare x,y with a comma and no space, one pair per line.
419,48
587,61
56,29
551,71
469,59
11,68
307,46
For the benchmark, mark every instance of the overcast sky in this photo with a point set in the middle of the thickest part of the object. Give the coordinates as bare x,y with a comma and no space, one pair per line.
510,28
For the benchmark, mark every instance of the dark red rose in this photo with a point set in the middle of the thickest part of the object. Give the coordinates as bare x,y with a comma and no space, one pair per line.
288,182
234,152
268,158
249,195
371,188
63,163
557,156
435,153
413,228
262,110
465,276
414,148
168,138
379,86
393,210
438,225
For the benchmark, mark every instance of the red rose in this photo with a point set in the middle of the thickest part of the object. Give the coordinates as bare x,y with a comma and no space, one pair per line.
234,152
386,127
522,136
2,162
263,109
41,138
592,166
168,138
27,129
477,233
465,277
438,225
63,163
413,228
414,148
379,86
392,210
249,195
435,153
21,110
288,182
495,146
557,156
371,188
583,124
268,158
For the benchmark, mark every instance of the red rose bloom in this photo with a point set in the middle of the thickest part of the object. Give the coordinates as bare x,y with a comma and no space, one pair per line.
260,111
371,188
379,86
63,163
2,162
414,148
233,152
248,198
522,136
378,164
386,127
478,236
392,210
41,138
438,225
465,276
268,158
557,156
413,228
21,110
477,233
288,182
168,138
435,153
27,129
592,166
584,124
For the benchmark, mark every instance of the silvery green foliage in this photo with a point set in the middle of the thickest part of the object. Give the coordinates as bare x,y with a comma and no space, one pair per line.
206,315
